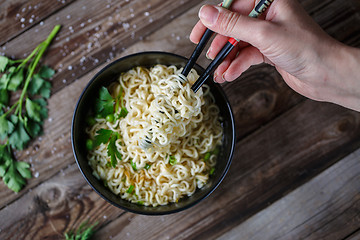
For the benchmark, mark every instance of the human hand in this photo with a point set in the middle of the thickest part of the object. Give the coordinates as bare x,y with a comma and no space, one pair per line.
309,60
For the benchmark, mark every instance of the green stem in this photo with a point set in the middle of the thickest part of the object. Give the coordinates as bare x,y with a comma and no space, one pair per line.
41,49
11,109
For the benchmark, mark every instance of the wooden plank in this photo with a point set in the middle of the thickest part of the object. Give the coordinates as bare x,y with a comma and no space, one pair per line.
313,211
242,194
244,191
94,32
17,16
54,207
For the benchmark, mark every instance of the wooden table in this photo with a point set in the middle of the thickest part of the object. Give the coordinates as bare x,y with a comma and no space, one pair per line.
296,169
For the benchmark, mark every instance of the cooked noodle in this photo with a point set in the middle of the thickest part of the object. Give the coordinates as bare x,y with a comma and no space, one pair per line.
182,127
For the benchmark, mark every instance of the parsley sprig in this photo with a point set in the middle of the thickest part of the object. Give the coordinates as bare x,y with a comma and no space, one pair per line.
106,107
108,136
84,232
23,120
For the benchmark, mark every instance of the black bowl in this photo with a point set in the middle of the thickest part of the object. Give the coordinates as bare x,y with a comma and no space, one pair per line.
107,75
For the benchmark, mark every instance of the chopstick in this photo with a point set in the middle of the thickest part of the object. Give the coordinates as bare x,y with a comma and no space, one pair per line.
200,46
231,43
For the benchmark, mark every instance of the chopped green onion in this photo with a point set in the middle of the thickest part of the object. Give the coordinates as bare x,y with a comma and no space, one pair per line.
147,166
130,189
207,156
212,170
140,202
172,160
133,165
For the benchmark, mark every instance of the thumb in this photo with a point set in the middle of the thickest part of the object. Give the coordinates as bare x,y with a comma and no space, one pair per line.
231,24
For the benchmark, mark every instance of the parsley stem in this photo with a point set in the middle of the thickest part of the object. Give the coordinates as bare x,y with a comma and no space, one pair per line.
41,48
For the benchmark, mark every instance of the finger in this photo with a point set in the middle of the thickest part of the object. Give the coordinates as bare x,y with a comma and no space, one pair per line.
218,43
233,24
197,32
218,74
246,58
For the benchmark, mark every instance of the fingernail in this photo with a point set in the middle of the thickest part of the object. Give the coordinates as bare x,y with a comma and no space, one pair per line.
223,77
208,14
208,54
215,76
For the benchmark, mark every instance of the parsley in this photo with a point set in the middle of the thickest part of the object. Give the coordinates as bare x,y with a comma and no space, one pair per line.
172,160
84,232
108,136
13,172
104,104
23,120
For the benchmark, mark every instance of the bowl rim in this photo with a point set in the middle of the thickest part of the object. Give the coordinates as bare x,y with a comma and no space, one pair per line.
212,189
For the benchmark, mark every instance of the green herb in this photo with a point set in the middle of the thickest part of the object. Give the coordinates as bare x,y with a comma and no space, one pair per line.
207,156
84,232
212,170
23,120
13,172
120,101
108,136
130,189
104,104
147,166
140,203
133,165
172,160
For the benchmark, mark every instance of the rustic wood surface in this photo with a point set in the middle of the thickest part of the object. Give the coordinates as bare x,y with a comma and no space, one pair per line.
296,169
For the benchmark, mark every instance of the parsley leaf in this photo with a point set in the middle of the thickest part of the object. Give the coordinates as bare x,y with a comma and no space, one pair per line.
104,105
6,127
15,79
46,72
108,136
13,173
4,97
84,232
33,110
3,63
19,138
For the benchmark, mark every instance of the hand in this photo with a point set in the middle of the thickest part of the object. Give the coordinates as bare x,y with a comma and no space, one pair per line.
309,60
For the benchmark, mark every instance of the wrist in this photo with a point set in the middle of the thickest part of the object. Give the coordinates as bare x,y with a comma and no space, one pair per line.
343,76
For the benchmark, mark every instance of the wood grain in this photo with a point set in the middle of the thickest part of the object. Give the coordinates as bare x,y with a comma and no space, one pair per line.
90,37
329,200
284,141
244,192
17,16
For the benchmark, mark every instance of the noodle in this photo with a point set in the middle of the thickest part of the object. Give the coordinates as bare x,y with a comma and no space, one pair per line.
181,126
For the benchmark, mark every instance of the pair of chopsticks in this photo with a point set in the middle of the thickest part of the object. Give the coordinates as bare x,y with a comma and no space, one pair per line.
231,43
